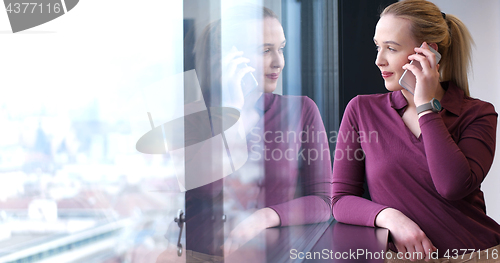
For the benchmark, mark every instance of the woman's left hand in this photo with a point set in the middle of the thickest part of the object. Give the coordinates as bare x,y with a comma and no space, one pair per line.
234,68
428,85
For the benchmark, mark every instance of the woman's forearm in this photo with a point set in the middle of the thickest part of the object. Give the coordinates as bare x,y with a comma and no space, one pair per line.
385,218
457,169
269,216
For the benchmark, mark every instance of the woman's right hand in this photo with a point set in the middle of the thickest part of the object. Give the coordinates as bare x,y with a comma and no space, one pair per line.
233,71
406,234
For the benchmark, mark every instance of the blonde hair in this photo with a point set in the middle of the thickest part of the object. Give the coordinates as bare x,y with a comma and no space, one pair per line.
452,37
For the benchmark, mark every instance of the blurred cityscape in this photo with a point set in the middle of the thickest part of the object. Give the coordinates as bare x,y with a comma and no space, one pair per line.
73,188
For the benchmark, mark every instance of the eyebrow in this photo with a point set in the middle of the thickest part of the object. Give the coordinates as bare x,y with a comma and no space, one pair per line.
272,45
389,42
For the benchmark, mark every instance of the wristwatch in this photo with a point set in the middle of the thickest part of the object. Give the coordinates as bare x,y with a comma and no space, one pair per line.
433,105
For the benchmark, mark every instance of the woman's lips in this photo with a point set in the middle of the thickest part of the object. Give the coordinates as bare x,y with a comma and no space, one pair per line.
386,74
273,76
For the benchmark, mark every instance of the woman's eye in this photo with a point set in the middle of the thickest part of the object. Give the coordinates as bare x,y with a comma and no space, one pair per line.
266,51
377,48
282,49
391,49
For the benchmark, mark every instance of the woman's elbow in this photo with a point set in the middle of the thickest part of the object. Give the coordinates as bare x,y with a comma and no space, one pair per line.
454,193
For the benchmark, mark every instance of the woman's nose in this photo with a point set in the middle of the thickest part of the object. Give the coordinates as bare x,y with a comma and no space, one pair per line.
380,60
278,61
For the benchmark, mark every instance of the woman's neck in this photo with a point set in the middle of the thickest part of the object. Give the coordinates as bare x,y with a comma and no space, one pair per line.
409,98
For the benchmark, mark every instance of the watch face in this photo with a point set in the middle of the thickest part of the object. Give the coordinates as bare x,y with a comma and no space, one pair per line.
436,105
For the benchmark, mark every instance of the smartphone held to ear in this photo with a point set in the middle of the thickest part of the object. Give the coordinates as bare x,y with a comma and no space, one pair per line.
408,80
248,82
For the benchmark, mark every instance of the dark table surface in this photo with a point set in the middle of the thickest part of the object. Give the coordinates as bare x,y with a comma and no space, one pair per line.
324,242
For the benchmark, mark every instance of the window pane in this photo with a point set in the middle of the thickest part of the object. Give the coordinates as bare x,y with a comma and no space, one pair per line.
76,95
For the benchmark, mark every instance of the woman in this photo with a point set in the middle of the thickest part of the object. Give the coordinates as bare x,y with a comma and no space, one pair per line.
286,180
425,167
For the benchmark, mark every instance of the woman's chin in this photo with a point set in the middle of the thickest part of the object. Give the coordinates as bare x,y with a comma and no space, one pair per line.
269,88
393,87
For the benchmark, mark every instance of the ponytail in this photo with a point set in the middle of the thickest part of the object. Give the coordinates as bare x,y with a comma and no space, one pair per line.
457,60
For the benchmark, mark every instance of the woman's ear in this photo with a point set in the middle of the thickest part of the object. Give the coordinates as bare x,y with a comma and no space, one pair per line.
434,46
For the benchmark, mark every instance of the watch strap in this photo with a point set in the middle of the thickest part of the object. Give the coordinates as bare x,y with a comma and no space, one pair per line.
424,107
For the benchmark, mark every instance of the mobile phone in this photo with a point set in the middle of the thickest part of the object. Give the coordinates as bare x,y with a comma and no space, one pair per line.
248,82
408,80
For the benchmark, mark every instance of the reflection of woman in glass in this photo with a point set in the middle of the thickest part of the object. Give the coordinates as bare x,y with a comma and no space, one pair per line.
287,178
425,167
